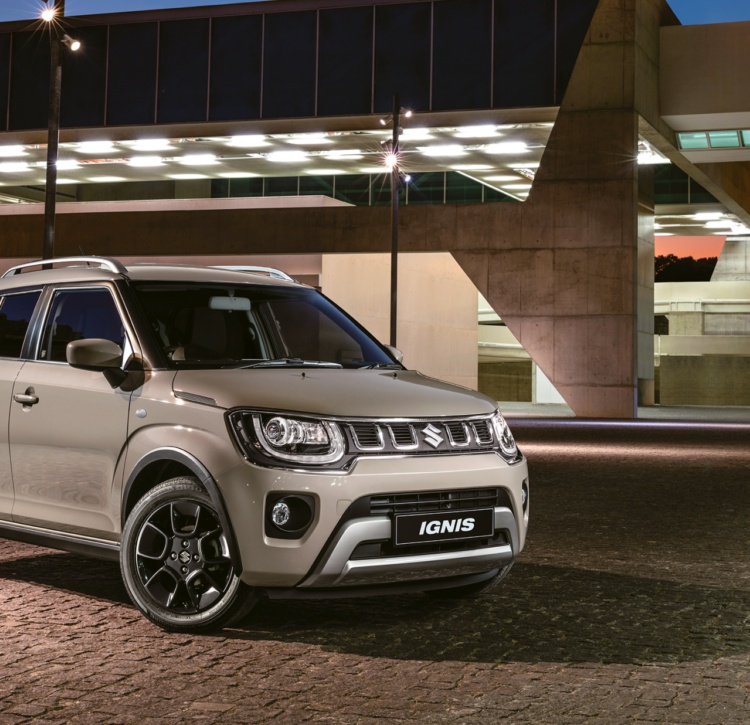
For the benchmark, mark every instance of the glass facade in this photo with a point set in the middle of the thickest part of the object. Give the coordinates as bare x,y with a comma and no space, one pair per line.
438,55
449,187
674,186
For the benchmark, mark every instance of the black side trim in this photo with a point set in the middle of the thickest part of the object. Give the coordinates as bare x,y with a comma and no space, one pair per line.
56,540
206,480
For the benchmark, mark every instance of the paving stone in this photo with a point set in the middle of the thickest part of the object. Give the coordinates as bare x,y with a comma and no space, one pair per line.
630,604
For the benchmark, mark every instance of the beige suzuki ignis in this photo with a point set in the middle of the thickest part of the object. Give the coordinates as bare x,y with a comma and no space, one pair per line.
228,435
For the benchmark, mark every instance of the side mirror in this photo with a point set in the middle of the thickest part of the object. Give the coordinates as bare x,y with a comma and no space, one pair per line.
94,354
395,352
100,355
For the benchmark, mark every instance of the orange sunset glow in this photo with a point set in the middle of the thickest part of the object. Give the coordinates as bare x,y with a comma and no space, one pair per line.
695,247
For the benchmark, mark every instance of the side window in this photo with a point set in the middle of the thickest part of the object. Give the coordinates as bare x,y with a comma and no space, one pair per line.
15,315
80,315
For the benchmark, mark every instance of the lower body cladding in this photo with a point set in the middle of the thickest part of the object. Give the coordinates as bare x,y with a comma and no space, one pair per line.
403,523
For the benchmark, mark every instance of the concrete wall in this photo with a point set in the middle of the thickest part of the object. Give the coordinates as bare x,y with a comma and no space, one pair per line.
705,380
508,380
704,76
437,308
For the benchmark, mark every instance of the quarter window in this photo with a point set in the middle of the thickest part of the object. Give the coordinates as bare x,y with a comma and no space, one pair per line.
15,315
80,315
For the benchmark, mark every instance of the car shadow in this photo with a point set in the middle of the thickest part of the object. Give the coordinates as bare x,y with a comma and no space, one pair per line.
539,613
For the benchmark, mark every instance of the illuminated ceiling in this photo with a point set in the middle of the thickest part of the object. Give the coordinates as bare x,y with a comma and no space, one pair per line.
502,156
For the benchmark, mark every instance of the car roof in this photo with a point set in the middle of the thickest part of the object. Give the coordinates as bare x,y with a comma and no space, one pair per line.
82,270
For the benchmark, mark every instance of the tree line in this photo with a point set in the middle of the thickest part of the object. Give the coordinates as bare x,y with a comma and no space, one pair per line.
671,268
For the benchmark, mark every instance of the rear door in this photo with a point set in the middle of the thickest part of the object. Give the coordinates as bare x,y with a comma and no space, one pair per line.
68,427
16,311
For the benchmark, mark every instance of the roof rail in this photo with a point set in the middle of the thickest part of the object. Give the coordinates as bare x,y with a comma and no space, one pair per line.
270,271
102,262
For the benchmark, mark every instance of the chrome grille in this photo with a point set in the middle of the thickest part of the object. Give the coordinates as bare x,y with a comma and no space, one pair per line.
458,432
483,432
403,436
367,436
421,435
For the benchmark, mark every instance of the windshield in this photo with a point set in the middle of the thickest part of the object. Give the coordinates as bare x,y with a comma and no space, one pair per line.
211,325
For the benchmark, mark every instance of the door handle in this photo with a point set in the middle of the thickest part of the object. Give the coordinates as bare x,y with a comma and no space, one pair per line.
27,398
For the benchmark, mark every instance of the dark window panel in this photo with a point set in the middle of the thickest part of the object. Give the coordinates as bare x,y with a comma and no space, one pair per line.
29,83
5,44
427,188
236,56
462,54
345,62
281,186
380,190
491,194
316,185
289,65
402,56
573,20
219,188
84,78
131,82
671,185
699,195
461,189
183,71
245,187
354,189
524,53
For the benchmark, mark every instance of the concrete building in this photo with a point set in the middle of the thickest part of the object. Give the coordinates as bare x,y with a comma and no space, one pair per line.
529,121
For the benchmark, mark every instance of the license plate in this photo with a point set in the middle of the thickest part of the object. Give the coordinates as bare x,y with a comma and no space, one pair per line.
444,526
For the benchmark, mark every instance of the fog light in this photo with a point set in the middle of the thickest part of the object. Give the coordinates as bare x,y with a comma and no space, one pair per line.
280,514
524,496
289,516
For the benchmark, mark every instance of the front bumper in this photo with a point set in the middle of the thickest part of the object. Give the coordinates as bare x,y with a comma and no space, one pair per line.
329,555
339,568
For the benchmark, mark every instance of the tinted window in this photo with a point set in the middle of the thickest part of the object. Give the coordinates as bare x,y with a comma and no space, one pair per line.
289,65
29,84
84,78
345,62
15,315
236,45
4,77
183,76
524,53
402,56
463,36
80,315
132,74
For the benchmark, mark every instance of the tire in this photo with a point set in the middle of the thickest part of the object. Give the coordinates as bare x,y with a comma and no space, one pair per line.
471,590
175,561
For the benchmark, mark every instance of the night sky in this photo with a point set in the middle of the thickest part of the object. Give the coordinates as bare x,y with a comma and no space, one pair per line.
689,12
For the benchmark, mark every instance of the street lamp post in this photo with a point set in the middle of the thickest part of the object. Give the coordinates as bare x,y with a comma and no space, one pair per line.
57,39
395,182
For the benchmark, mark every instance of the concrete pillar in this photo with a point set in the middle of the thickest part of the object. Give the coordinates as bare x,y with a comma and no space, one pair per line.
734,261
571,273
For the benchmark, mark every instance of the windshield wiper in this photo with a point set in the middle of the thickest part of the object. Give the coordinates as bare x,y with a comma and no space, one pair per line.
292,362
382,366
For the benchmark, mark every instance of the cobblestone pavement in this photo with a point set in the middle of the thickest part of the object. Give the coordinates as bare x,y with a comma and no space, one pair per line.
630,604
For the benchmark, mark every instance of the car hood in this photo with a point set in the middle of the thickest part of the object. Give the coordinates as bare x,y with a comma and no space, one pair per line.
332,392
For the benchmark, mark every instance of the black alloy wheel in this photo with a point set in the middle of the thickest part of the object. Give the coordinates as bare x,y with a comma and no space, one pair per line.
175,560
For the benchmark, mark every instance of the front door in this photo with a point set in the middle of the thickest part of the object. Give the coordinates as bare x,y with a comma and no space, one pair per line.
68,427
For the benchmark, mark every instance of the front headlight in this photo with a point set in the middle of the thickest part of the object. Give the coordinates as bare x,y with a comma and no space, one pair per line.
504,438
306,441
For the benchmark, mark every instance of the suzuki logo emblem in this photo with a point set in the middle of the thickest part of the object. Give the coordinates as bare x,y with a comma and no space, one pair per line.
432,435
